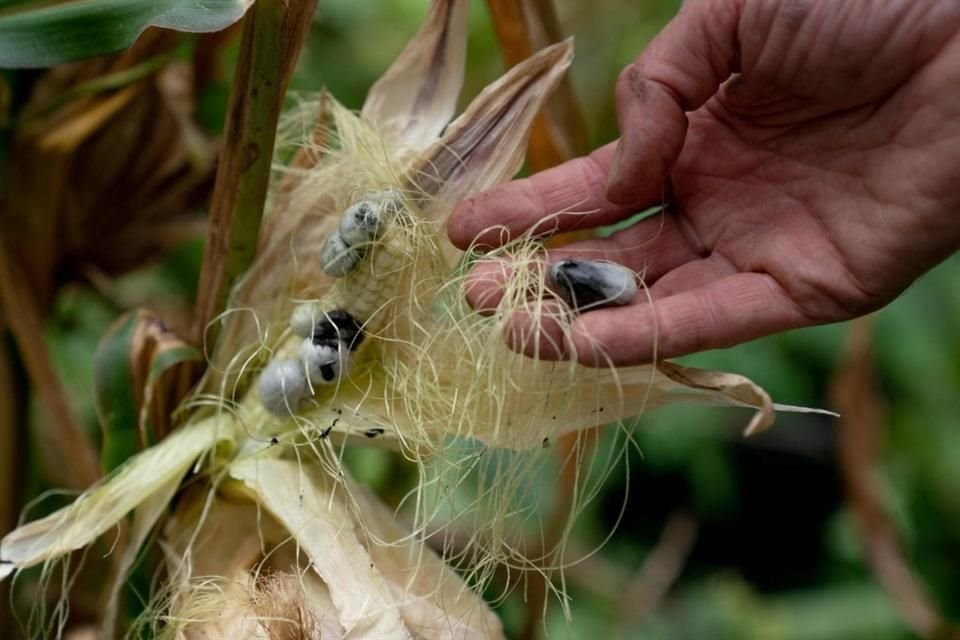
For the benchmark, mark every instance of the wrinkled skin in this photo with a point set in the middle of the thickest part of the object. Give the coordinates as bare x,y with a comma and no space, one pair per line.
809,153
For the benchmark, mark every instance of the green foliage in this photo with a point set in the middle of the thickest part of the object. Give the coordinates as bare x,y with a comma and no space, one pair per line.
38,34
114,393
131,359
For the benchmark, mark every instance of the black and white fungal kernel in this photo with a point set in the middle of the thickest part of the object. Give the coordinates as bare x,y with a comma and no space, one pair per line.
587,284
325,363
282,386
337,258
338,326
304,318
363,222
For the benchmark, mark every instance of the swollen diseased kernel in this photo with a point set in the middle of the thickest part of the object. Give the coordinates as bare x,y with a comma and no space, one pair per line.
336,325
304,318
283,385
362,223
326,362
329,336
337,258
587,284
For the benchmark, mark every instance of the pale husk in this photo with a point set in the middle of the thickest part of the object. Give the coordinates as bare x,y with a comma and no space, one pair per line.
346,567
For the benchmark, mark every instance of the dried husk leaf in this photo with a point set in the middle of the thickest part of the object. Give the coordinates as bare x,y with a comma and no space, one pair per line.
306,156
559,132
547,400
486,144
145,518
435,603
111,179
235,573
417,96
369,564
151,472
234,556
303,501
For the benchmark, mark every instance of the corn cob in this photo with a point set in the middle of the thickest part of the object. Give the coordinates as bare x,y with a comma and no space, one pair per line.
370,254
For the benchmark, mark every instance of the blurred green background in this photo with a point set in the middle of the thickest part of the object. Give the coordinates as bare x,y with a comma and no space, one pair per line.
776,553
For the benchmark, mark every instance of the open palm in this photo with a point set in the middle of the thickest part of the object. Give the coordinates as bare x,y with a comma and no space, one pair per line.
809,156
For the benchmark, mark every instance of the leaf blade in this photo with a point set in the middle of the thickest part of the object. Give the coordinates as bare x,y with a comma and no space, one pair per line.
50,35
129,363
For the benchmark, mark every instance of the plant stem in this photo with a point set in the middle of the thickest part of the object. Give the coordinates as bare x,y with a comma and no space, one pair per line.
243,174
860,440
77,457
12,446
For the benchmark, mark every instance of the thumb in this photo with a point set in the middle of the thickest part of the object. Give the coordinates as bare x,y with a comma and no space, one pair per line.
679,71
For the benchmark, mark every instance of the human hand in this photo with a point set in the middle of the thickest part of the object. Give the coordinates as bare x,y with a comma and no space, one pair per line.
809,156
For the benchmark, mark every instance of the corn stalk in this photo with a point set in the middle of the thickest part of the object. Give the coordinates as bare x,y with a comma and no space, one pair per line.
273,33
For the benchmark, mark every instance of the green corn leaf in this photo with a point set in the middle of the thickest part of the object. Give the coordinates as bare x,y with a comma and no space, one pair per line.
40,34
132,395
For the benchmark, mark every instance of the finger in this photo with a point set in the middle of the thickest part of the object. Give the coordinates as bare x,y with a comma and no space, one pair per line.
725,312
679,71
484,288
650,248
692,275
538,332
564,198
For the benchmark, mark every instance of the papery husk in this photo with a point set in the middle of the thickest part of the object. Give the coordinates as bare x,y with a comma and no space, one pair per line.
303,502
542,401
415,99
154,471
221,552
284,546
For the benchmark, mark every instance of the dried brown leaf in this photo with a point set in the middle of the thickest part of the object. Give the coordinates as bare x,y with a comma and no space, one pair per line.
717,387
111,177
486,144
